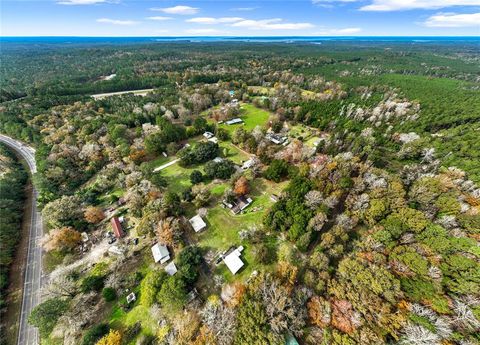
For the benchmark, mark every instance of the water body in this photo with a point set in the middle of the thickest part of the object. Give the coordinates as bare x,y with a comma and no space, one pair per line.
256,39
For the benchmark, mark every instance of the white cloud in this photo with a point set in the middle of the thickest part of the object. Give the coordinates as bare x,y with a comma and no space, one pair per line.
271,24
399,5
202,31
80,2
453,20
159,18
116,21
183,10
243,9
338,32
210,20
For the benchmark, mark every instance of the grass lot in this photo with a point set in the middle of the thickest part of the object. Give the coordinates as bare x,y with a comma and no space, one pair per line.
251,116
223,227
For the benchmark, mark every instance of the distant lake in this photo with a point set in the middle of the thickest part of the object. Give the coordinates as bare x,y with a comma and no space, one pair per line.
266,39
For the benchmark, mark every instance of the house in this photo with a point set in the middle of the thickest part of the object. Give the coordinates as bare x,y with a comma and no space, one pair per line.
160,253
198,224
248,164
171,269
117,227
208,135
233,261
213,140
131,298
276,138
234,121
238,205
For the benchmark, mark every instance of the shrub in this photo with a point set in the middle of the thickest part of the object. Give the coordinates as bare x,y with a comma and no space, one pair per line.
109,294
196,177
94,334
45,315
92,283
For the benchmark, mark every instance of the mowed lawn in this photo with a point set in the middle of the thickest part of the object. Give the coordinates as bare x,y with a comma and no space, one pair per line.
223,226
251,116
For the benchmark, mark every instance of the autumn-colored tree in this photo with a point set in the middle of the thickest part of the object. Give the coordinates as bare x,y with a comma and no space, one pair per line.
287,272
232,294
94,214
319,311
112,338
242,186
138,156
343,316
169,231
65,238
204,337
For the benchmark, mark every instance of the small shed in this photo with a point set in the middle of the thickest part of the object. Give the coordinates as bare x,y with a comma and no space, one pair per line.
131,298
160,253
117,227
198,224
171,269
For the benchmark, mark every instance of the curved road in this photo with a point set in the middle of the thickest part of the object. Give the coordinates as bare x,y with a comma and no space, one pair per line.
28,335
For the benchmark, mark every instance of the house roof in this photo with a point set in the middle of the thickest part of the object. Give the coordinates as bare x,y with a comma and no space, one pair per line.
234,121
198,223
233,261
171,269
117,227
160,253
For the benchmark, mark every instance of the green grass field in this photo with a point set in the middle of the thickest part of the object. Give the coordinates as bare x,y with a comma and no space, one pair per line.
223,227
251,116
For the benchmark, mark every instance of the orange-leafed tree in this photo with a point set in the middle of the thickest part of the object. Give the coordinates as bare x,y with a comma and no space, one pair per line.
93,214
242,186
63,239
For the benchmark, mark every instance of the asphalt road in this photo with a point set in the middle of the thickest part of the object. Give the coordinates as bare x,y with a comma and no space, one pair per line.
28,335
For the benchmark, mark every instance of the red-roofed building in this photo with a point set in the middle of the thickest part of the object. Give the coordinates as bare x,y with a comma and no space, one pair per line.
117,227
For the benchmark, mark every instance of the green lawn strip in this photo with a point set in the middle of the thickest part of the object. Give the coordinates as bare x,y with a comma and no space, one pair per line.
233,153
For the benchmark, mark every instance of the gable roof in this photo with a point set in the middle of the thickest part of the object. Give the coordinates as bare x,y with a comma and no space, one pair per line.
160,253
117,227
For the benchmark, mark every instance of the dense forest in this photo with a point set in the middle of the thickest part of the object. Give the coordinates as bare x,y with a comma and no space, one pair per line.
13,178
345,176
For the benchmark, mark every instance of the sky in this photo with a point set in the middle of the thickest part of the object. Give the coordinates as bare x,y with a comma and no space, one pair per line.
240,18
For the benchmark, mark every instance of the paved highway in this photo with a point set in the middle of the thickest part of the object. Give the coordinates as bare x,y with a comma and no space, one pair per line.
28,335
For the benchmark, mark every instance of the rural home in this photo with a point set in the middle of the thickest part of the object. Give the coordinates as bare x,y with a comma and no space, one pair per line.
233,261
160,253
238,205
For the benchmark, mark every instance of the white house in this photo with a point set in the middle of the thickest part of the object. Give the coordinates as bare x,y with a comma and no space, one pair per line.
213,140
208,135
160,253
233,261
198,224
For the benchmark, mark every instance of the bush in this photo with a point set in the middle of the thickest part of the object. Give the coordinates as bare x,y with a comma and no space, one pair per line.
109,294
92,283
94,334
196,177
